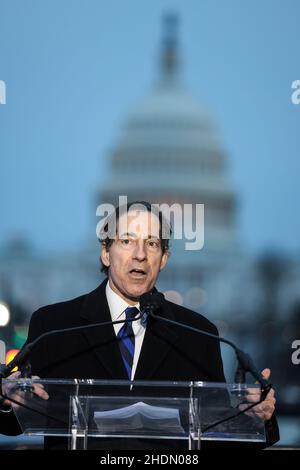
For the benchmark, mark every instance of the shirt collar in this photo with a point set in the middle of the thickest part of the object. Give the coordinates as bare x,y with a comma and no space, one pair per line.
116,304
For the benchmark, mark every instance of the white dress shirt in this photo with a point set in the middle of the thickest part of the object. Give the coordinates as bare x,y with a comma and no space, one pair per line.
117,307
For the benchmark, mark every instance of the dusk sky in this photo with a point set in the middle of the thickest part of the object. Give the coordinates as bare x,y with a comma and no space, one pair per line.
73,70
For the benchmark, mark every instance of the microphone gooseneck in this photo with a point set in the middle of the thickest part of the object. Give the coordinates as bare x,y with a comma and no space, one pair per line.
23,355
150,303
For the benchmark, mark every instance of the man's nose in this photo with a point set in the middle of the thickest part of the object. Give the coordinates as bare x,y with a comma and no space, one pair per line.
140,252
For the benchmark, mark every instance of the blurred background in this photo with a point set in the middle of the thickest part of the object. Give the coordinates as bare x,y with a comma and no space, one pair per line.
170,102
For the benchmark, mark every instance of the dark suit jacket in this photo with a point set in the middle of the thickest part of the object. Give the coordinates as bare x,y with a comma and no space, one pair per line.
168,352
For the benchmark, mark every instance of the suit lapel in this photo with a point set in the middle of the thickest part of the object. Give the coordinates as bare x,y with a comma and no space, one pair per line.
103,339
157,344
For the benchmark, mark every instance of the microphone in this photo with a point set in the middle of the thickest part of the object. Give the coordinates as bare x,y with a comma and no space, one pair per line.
149,303
21,359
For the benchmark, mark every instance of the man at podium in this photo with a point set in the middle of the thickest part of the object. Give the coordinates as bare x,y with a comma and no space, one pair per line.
136,350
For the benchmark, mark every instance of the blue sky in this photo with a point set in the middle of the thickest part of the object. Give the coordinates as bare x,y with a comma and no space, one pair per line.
74,69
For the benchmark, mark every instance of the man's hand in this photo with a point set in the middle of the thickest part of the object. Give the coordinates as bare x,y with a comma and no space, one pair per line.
18,395
265,409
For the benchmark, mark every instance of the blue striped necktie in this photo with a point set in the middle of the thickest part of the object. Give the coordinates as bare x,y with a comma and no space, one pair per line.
127,339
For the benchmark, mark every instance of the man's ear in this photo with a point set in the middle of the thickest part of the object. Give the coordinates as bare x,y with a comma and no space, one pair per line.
105,256
164,260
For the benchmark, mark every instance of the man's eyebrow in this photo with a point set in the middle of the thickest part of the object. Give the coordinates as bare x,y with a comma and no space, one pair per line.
128,234
134,235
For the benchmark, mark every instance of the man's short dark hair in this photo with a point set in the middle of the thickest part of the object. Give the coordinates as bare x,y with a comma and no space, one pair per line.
137,205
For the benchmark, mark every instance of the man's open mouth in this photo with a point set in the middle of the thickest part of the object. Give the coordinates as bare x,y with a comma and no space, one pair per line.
138,272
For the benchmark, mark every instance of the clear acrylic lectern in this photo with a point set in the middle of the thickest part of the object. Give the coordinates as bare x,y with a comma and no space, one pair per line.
95,409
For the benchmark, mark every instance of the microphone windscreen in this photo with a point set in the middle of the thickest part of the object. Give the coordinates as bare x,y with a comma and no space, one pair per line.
153,301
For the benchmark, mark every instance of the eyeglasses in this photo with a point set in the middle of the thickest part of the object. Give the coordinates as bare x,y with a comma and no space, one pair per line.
152,245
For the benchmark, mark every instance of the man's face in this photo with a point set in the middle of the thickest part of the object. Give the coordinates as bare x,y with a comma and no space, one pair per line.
135,257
